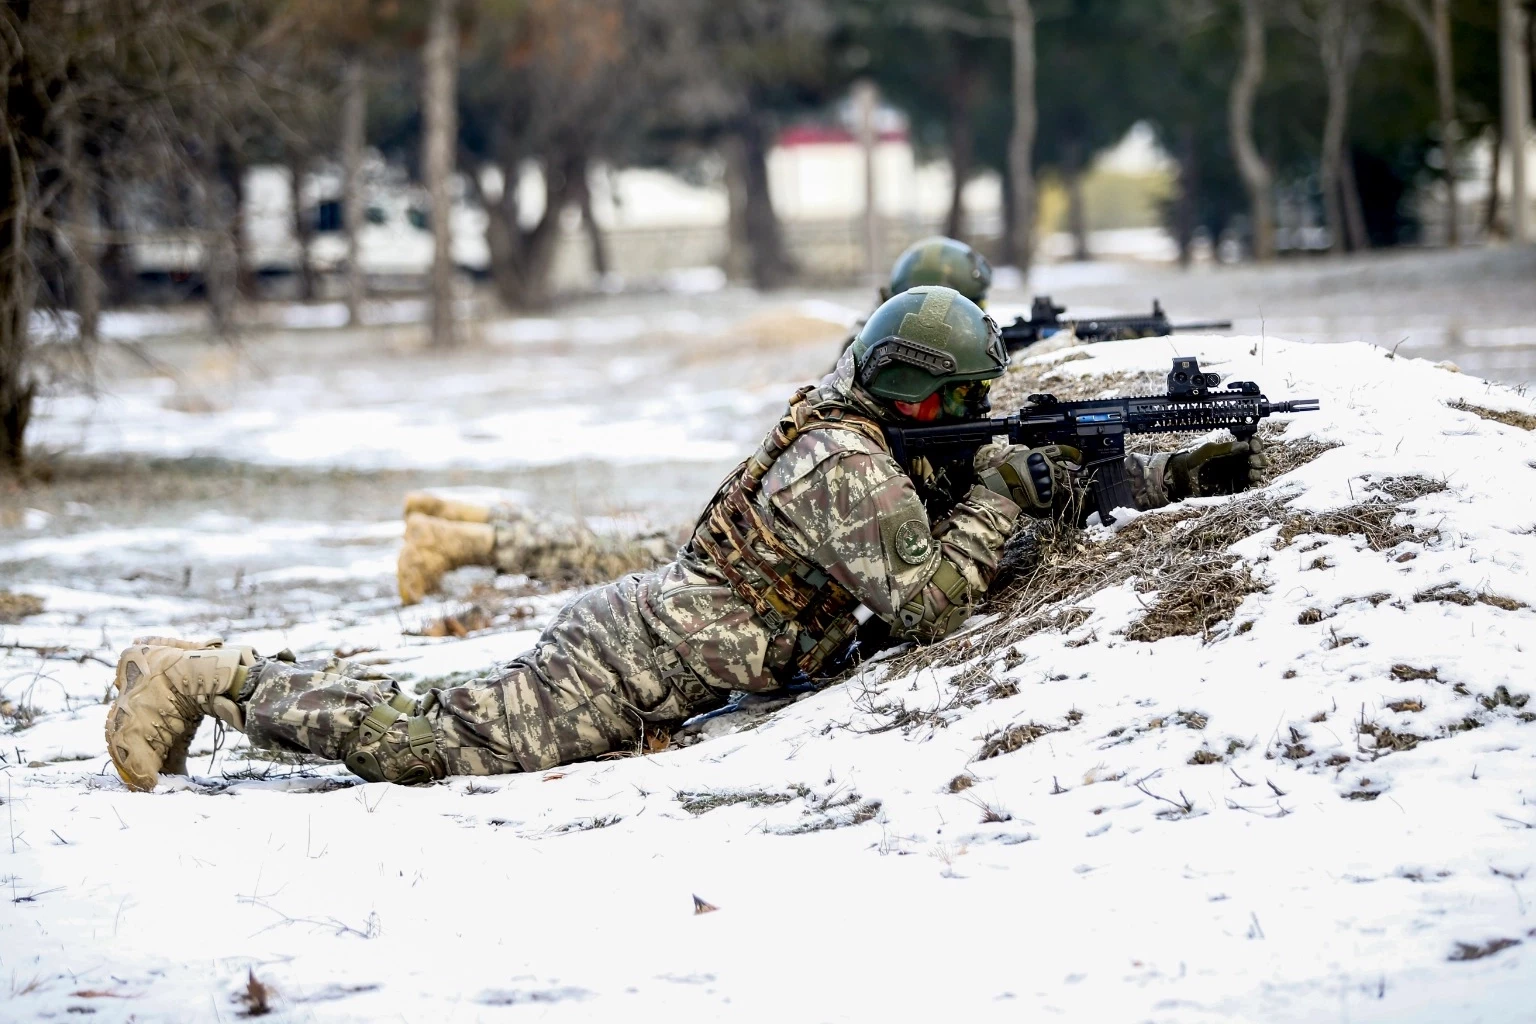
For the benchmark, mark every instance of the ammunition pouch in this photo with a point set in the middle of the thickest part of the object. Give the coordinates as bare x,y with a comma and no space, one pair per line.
790,594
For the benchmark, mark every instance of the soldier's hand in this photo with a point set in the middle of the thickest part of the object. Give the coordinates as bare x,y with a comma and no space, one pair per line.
1221,467
1035,479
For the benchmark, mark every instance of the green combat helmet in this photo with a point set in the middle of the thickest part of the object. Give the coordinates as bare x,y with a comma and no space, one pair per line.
940,260
930,342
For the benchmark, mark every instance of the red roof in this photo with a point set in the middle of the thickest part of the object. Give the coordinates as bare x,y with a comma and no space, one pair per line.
820,135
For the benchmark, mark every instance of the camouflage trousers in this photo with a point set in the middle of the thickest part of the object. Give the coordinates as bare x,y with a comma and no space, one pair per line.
598,675
550,546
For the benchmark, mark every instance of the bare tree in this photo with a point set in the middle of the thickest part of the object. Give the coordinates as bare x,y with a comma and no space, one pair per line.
1338,29
1021,144
80,230
440,59
1434,23
1251,166
354,120
1516,110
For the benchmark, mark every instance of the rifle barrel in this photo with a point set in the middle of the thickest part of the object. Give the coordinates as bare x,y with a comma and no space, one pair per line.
1203,325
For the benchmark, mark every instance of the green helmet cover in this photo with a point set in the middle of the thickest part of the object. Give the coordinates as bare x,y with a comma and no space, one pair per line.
940,260
924,338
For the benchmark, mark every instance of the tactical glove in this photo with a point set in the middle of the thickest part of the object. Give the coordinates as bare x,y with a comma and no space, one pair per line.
1033,478
1221,467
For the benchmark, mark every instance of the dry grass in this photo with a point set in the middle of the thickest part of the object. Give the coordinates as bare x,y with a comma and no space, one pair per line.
14,607
1450,593
1509,417
1193,599
1021,734
1478,950
697,803
1375,521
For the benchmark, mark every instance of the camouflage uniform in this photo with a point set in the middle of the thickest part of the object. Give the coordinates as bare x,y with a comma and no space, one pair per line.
551,546
656,647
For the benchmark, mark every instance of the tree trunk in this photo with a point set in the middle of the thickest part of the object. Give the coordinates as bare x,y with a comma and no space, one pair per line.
220,226
441,59
1009,245
22,118
1329,164
1021,142
303,227
521,260
117,274
1354,216
1257,180
1077,212
768,262
1434,24
866,99
1339,39
1186,212
597,244
1450,129
1491,226
960,135
231,170
82,246
1514,87
354,118
738,246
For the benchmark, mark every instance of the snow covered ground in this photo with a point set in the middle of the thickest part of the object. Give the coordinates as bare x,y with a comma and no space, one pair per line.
1319,807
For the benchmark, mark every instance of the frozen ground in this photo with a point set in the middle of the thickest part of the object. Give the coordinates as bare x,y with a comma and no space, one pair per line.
1321,809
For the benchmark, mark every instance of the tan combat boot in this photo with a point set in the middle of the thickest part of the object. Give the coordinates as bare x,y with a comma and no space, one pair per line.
164,688
445,508
434,546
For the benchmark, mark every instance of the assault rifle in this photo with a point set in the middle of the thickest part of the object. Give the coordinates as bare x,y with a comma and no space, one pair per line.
1045,319
1098,428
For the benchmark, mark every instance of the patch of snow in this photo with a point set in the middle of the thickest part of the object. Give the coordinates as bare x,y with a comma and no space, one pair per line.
1322,809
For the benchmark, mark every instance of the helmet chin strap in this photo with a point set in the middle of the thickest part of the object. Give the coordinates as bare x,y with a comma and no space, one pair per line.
926,411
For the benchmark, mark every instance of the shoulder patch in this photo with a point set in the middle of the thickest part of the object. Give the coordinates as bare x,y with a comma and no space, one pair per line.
912,543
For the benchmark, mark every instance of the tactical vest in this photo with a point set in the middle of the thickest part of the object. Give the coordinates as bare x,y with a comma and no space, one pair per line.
794,594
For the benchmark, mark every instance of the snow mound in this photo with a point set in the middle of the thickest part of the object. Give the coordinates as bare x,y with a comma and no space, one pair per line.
1266,757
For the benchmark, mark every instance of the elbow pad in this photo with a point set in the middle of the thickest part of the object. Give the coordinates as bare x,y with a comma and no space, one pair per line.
938,609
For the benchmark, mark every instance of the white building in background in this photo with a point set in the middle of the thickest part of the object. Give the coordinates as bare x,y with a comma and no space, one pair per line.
653,220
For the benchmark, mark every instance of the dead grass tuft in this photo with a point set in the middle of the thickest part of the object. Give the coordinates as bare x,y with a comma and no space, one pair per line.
1375,521
1007,740
1502,698
1194,598
1285,456
1450,593
1406,673
1478,950
697,803
14,607
1509,417
1399,489
256,997
1389,739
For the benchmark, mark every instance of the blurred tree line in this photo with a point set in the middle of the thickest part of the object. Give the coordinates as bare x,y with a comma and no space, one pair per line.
117,110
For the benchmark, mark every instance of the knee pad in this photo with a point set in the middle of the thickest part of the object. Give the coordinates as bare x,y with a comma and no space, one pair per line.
395,743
